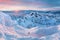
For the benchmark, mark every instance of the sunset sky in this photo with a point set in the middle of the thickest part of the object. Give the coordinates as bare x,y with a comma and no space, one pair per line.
29,4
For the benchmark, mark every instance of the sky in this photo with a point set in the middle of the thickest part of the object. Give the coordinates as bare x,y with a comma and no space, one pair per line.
29,4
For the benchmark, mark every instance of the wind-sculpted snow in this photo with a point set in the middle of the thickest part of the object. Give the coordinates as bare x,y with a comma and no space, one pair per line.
34,25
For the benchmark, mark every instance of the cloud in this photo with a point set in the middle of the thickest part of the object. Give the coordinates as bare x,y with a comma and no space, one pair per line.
52,3
24,3
28,4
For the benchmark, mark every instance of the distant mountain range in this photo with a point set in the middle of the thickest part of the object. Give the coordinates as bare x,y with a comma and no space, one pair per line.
28,11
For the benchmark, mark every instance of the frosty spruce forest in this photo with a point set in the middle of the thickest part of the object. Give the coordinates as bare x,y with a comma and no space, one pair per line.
30,25
29,19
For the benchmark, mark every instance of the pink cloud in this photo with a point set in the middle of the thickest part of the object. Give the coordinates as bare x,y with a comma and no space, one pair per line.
9,2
